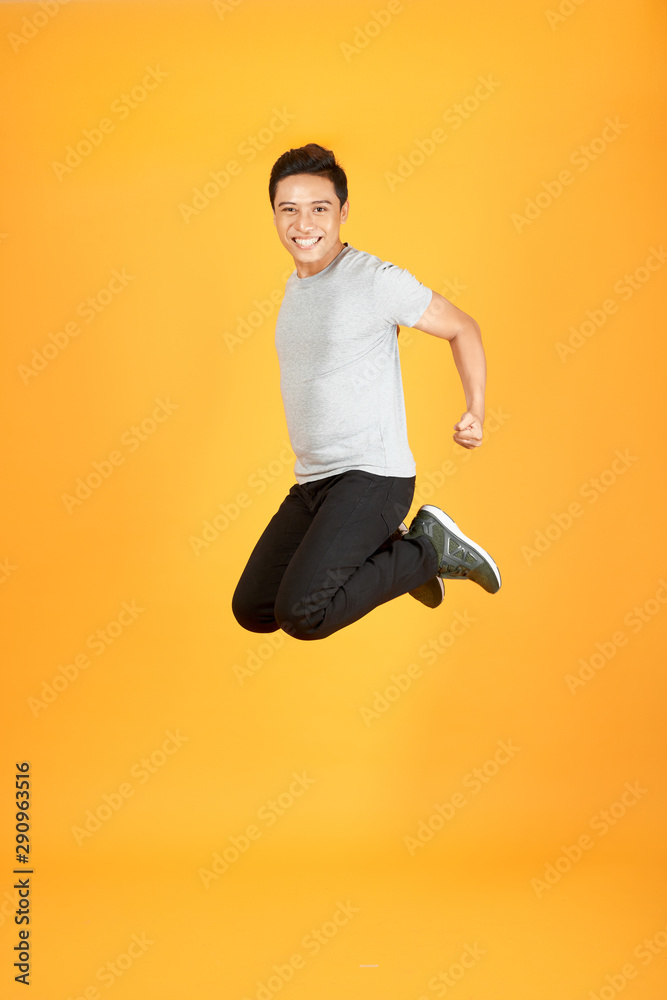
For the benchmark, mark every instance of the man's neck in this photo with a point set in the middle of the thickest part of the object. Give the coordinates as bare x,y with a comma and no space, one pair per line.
319,265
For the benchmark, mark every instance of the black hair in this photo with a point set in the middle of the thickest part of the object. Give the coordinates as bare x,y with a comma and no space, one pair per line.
310,159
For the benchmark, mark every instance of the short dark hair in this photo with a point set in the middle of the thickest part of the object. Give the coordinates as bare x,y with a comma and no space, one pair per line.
310,159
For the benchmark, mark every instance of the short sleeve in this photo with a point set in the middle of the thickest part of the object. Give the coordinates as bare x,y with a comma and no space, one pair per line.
400,298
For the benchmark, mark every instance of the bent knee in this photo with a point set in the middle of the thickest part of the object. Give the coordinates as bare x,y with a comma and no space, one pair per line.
300,629
250,616
293,617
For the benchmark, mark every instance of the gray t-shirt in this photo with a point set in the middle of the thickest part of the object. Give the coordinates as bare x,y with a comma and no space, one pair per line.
340,371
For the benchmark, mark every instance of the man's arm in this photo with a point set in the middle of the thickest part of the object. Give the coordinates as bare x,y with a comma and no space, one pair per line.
443,319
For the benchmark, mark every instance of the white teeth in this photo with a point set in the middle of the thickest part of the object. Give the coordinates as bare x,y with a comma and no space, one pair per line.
307,243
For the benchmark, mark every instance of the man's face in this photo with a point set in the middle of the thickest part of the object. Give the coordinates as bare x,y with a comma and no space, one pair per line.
308,216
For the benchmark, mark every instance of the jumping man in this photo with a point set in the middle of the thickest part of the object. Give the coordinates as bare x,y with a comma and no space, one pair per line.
336,548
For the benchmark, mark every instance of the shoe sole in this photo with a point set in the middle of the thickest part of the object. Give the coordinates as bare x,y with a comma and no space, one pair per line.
451,526
431,593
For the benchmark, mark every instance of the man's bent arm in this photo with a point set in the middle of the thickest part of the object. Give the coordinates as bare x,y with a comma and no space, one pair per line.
470,362
443,319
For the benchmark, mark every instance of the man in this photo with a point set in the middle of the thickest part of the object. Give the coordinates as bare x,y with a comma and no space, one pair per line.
336,548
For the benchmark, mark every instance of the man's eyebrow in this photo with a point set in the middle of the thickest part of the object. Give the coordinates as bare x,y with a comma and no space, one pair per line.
318,201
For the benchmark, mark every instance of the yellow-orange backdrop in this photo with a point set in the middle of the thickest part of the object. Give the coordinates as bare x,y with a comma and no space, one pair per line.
468,801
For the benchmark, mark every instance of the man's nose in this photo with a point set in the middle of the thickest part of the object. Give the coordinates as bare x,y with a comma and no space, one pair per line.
304,224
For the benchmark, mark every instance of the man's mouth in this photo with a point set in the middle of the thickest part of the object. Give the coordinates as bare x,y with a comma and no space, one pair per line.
304,244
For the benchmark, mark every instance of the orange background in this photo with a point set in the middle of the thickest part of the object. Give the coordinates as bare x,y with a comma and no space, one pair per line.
394,918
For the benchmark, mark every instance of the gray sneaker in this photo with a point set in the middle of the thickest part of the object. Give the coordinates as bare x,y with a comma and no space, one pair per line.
458,555
431,593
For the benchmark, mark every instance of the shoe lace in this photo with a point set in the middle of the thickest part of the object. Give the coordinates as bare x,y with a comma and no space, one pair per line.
454,570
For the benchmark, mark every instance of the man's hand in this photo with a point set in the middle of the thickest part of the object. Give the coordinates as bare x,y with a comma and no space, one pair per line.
468,431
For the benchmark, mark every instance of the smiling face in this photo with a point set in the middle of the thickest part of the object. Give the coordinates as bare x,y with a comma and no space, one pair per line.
308,216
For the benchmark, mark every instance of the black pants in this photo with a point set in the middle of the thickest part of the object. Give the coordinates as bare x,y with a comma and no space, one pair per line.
324,559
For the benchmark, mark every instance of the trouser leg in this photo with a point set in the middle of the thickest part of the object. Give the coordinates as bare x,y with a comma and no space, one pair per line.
338,573
255,595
